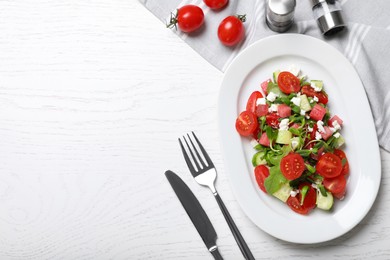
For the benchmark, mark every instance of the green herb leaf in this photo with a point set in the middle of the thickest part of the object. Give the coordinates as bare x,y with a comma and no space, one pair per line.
304,191
304,152
295,131
271,133
275,180
310,168
296,109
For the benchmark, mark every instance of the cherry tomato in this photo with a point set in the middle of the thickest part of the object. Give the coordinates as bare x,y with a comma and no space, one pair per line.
288,83
189,18
231,30
215,4
342,156
309,201
261,173
310,92
292,166
251,104
336,185
272,120
246,123
329,165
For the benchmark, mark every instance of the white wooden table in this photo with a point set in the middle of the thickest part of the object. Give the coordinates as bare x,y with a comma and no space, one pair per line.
93,96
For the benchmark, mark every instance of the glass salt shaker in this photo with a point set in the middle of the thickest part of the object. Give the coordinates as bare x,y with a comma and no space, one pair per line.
329,16
280,14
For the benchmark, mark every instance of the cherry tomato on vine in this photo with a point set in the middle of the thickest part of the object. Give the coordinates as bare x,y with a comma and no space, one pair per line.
231,30
215,4
189,18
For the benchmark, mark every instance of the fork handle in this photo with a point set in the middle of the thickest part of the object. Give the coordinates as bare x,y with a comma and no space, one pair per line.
236,233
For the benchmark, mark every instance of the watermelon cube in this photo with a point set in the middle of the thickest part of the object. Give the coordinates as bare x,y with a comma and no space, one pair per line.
284,110
261,110
318,112
328,133
335,118
264,85
264,140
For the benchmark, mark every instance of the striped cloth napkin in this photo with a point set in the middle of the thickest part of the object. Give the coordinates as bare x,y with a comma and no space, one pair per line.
365,43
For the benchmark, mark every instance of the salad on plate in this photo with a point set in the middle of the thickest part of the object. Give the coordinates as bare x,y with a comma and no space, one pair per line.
297,141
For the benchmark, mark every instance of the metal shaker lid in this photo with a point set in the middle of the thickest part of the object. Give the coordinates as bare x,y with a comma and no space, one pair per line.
281,11
331,23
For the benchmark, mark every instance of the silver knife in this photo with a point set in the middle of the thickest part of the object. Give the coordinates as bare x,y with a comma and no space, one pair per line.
196,213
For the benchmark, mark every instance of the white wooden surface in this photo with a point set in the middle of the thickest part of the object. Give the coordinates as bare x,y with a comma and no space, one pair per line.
93,95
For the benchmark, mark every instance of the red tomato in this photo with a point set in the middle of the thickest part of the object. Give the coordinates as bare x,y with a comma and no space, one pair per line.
246,123
310,92
341,155
288,83
261,173
272,120
329,165
189,18
336,185
309,201
231,30
215,4
251,104
292,166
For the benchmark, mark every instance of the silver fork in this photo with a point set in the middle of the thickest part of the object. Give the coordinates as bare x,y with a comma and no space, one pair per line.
204,172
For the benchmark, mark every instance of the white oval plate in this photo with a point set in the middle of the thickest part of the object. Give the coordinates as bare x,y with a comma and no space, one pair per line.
347,99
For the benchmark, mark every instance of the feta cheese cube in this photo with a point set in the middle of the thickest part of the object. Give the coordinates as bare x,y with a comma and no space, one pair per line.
284,124
272,96
260,101
296,101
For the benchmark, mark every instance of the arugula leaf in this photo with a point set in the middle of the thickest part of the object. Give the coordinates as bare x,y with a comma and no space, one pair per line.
275,180
271,133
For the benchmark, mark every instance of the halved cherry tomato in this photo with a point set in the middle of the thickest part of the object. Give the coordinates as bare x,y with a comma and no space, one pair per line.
336,185
272,120
329,165
288,83
189,18
246,123
309,201
261,173
292,166
342,156
310,92
251,104
215,4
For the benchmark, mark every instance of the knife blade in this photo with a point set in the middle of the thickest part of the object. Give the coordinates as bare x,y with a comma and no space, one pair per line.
196,213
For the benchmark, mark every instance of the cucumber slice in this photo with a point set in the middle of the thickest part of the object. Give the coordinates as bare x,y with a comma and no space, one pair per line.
305,104
324,202
276,74
283,137
275,89
283,193
258,159
340,141
318,83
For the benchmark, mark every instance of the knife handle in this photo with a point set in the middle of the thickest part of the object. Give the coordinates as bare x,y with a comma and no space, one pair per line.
216,254
236,233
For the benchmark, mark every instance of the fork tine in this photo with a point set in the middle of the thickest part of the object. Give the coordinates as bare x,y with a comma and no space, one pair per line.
192,153
187,158
197,153
206,156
